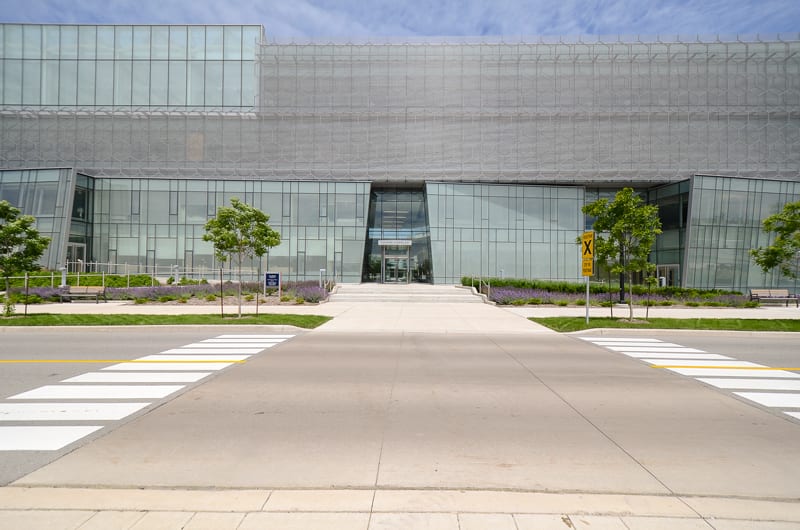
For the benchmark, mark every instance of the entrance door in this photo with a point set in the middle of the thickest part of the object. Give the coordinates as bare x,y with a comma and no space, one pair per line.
76,257
395,269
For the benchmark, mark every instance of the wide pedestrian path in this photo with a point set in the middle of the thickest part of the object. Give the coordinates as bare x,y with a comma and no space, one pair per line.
52,507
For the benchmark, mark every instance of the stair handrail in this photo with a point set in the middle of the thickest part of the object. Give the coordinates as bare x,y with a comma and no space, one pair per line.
481,282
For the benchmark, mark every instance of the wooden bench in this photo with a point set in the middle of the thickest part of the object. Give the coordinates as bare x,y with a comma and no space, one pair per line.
88,291
777,295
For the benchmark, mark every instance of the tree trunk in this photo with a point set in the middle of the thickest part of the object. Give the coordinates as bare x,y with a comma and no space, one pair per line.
630,295
240,286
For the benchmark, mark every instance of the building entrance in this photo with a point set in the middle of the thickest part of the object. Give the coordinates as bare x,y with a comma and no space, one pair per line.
395,261
397,249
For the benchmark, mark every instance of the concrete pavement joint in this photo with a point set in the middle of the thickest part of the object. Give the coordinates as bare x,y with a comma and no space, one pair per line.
587,420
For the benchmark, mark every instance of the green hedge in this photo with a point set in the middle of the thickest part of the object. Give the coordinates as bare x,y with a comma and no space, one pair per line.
598,288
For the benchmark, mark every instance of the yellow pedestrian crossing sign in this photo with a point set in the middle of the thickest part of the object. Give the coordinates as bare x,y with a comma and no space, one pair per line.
587,254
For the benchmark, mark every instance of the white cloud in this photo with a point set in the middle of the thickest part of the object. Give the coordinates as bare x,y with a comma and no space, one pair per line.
316,19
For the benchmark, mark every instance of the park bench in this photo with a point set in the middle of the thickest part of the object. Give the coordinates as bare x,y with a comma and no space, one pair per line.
89,291
774,295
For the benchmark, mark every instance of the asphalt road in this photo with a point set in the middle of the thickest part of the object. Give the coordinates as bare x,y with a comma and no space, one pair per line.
541,412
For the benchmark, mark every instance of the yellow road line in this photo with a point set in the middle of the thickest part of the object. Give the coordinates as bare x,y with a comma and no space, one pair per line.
15,361
725,367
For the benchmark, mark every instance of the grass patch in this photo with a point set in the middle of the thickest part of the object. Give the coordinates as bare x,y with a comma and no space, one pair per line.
567,324
48,319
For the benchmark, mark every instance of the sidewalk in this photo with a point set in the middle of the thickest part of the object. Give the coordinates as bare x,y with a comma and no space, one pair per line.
105,509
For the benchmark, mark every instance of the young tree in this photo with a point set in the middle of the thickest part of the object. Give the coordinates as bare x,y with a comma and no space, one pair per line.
240,232
20,247
783,252
626,231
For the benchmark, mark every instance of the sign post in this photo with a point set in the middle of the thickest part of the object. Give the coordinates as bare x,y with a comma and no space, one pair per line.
587,263
272,280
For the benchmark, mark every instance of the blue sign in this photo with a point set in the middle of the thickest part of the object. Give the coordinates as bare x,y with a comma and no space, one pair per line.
272,279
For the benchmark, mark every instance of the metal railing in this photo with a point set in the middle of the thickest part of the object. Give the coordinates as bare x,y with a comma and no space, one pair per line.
481,283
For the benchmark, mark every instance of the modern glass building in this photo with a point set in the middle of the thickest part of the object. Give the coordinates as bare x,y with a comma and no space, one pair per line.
396,162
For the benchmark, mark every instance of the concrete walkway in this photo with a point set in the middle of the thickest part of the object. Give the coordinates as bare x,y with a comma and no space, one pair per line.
86,508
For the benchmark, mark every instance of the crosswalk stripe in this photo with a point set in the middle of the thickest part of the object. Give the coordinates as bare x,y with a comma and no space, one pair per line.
242,341
772,399
249,351
201,358
98,392
254,336
123,377
734,365
67,411
44,437
617,339
663,356
751,384
654,345
654,350
722,372
178,367
231,345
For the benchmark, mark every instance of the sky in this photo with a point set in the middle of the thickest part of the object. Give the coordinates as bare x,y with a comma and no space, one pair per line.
360,20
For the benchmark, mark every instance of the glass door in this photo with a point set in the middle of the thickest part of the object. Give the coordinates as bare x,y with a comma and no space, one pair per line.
395,269
76,257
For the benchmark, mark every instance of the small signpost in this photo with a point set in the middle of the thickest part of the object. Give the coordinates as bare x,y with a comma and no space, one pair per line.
587,263
272,280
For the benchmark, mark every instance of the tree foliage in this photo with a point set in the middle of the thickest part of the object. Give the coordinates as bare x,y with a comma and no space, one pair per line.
782,253
626,230
240,232
21,246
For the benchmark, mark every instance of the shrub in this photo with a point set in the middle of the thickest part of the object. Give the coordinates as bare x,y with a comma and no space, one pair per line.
211,297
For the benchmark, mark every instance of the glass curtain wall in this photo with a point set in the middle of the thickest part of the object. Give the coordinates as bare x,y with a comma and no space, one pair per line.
120,66
44,194
504,231
725,223
673,209
146,222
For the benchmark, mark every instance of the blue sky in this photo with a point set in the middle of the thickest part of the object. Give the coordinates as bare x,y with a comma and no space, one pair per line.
359,19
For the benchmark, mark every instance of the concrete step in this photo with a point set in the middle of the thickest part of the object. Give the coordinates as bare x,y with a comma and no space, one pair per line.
408,293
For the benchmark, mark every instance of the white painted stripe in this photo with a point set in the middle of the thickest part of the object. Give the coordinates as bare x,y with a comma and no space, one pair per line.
98,392
617,339
42,438
231,345
254,336
166,367
180,351
651,349
183,358
646,344
672,356
793,414
157,377
242,341
721,372
67,411
715,364
770,399
752,384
